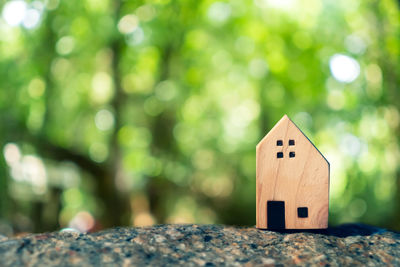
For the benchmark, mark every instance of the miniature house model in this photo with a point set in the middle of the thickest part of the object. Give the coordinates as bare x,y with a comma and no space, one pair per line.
292,180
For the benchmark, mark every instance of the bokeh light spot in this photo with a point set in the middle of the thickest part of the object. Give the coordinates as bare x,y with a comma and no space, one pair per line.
98,152
128,24
11,153
83,221
14,12
146,12
102,88
258,68
355,44
344,68
36,88
65,45
357,208
219,13
135,37
165,90
143,219
104,120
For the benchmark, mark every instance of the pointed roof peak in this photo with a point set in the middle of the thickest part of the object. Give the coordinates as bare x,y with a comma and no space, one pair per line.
285,117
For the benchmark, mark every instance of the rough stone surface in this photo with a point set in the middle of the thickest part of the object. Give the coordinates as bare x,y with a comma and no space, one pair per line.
204,245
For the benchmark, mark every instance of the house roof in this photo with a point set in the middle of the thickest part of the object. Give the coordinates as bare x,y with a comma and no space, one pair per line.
283,122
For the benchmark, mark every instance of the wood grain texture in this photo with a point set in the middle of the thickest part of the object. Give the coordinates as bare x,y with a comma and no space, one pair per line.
299,181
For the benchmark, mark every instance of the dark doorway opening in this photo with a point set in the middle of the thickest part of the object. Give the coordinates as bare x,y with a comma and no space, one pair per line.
276,215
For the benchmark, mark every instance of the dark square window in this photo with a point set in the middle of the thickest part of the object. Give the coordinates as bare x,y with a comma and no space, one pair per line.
279,143
292,154
279,155
291,142
302,212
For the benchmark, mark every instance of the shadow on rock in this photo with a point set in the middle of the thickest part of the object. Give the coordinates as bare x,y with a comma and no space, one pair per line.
344,230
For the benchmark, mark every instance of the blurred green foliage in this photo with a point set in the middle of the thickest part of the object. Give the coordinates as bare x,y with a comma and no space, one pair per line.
140,112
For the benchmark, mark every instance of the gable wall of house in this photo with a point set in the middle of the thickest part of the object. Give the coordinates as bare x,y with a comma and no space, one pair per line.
300,177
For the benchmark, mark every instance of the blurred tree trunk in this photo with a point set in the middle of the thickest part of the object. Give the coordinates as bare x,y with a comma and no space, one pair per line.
37,216
45,54
54,207
162,125
163,142
116,202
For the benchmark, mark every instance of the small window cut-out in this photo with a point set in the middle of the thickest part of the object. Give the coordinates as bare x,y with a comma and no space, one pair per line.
279,155
291,142
302,212
292,154
279,143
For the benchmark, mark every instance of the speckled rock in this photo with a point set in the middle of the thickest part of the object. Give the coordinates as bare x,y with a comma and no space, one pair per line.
205,245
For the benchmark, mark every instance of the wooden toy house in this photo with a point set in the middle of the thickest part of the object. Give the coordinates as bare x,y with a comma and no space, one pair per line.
292,180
